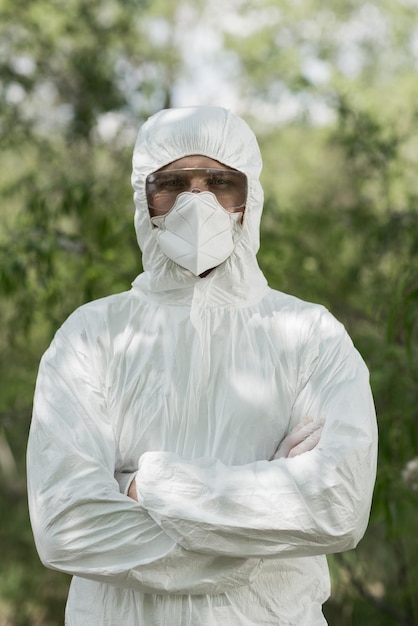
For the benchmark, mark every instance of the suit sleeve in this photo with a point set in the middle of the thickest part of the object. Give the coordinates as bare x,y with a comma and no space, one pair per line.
81,522
316,503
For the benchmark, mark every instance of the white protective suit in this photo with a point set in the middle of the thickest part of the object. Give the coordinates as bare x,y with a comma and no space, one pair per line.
194,382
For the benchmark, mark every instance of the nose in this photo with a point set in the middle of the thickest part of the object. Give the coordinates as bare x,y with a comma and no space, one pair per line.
197,183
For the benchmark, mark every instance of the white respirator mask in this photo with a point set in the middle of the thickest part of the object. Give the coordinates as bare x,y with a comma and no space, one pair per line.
198,233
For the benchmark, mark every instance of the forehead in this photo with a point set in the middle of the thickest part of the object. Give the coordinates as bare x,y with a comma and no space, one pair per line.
193,160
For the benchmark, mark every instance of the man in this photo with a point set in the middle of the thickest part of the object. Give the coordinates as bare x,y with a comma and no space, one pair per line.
200,442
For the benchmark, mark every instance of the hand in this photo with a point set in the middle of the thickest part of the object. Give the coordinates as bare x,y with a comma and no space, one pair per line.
132,492
303,438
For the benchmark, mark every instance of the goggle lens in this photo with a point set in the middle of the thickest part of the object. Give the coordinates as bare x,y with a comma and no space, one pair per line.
229,187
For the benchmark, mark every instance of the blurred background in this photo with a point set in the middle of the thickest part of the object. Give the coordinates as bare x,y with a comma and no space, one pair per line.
331,89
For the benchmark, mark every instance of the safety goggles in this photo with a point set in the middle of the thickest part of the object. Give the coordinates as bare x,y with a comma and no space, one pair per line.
163,187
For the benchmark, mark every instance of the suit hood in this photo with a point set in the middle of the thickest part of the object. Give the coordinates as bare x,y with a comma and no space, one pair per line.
217,133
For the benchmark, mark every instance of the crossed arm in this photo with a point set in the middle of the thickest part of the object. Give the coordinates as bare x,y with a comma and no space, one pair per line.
312,497
303,438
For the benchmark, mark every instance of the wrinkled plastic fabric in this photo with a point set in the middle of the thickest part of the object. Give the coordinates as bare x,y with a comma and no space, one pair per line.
192,383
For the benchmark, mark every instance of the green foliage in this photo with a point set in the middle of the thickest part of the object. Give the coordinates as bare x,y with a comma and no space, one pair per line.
76,79
349,239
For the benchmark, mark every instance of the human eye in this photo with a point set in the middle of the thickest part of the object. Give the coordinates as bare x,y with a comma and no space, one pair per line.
219,181
172,182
